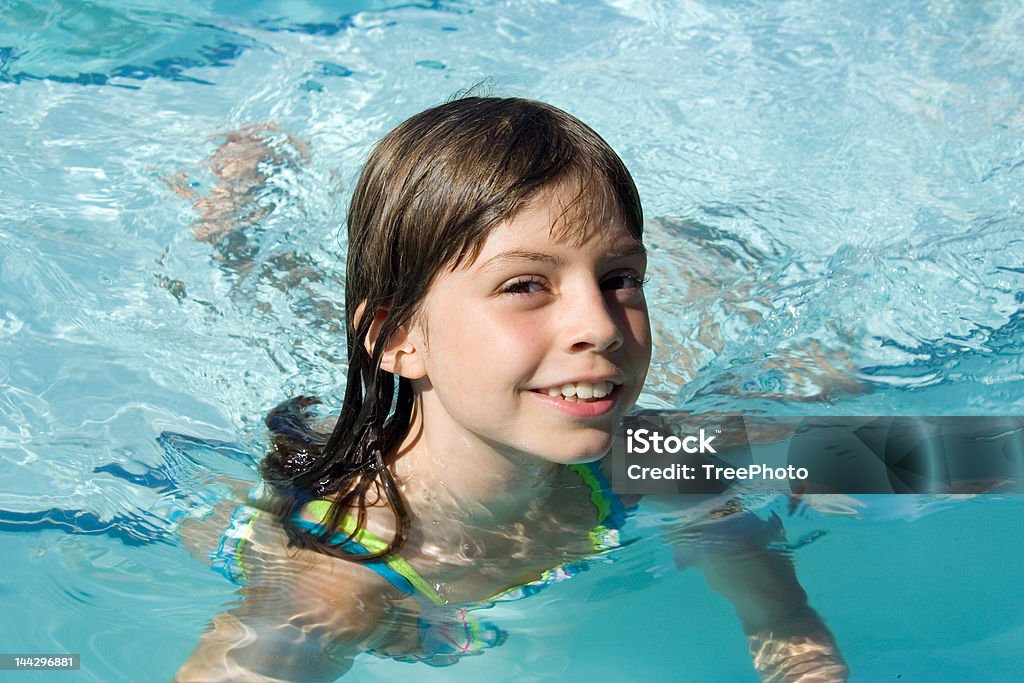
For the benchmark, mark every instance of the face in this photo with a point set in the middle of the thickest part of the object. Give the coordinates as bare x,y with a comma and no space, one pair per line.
538,348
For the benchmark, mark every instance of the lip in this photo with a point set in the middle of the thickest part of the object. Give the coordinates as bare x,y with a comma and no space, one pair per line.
592,408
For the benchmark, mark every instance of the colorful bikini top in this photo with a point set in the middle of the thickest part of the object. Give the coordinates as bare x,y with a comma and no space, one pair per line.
450,632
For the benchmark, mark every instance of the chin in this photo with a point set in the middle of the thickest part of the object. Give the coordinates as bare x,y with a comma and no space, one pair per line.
584,455
565,448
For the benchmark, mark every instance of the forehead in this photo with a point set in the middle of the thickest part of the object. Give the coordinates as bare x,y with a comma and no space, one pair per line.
562,218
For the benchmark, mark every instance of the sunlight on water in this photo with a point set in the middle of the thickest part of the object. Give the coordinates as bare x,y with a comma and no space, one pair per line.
833,216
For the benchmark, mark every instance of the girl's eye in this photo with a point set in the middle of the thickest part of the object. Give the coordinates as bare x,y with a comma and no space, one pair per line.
623,281
523,286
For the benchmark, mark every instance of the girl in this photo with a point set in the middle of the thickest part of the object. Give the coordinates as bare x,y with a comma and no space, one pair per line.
497,335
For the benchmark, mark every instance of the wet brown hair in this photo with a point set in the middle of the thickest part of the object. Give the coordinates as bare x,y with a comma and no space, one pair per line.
428,197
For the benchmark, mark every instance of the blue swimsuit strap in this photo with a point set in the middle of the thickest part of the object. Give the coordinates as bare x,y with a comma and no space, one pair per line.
359,541
400,574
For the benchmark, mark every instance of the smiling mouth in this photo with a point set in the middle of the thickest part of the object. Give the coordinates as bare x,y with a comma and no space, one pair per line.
580,392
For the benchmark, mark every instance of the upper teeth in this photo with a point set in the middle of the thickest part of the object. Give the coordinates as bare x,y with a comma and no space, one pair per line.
582,390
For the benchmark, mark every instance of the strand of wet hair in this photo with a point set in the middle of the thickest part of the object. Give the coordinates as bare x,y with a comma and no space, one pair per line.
302,465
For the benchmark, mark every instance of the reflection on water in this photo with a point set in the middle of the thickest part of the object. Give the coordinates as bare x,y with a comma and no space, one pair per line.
833,221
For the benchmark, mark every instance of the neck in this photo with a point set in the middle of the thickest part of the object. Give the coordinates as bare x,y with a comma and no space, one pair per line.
463,478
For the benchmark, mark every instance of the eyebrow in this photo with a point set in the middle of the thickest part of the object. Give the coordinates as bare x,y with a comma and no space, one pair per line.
627,250
517,255
520,255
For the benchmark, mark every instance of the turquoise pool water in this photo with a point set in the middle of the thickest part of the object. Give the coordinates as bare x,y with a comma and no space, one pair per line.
834,221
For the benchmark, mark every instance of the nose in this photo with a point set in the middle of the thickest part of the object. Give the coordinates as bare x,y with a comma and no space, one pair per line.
590,323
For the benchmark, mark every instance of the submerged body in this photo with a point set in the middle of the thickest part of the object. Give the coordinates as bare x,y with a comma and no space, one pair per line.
305,616
417,606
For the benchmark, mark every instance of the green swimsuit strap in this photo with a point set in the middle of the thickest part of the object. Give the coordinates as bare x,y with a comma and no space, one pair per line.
397,570
360,541
610,509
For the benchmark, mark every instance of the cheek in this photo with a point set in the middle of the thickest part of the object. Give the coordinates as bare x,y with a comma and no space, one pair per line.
640,331
479,348
638,326
643,326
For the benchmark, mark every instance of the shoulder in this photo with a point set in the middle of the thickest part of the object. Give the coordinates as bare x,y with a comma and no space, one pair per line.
339,598
302,621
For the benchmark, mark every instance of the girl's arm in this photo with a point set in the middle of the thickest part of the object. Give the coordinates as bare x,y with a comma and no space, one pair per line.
305,618
788,640
250,644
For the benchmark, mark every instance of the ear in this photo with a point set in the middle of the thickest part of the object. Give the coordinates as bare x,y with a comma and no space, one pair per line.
402,353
